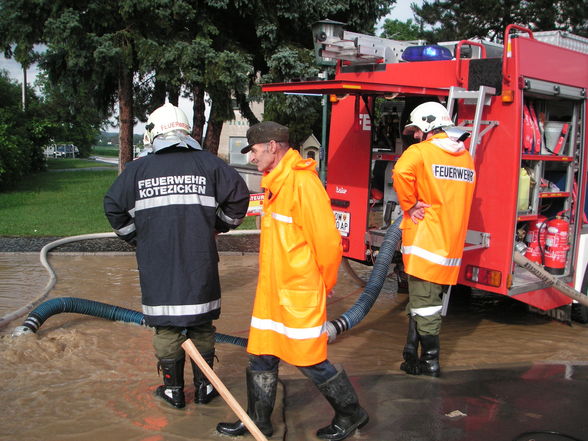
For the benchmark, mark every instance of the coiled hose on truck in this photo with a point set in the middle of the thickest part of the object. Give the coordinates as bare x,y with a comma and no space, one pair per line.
115,313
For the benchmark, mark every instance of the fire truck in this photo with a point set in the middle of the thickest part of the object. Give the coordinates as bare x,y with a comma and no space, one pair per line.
523,103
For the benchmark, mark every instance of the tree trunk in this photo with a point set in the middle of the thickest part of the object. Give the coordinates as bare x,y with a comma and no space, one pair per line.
245,108
173,95
125,112
213,132
199,118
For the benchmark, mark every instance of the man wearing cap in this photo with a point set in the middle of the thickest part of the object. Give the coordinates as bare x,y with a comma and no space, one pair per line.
434,181
171,204
299,258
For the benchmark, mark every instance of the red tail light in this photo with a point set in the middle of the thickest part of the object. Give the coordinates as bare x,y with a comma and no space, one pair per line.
484,276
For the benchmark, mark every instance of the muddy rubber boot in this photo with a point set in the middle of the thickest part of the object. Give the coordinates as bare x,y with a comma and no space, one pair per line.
429,362
411,364
172,390
261,397
349,415
203,390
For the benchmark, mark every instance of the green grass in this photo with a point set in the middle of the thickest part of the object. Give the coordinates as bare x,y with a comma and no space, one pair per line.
56,204
66,163
105,151
65,203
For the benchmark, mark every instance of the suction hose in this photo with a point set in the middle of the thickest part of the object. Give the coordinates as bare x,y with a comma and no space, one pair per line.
538,271
95,309
372,289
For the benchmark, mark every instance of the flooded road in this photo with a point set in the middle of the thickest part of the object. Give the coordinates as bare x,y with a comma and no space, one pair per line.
83,378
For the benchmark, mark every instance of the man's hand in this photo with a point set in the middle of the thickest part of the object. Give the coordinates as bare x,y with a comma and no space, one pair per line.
417,212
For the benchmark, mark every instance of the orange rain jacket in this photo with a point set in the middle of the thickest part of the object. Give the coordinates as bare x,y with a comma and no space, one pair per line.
439,172
299,257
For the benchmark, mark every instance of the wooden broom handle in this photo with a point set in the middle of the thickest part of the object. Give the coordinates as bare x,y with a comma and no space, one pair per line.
222,390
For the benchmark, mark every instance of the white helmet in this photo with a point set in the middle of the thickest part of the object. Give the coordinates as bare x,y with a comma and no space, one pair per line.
168,126
428,116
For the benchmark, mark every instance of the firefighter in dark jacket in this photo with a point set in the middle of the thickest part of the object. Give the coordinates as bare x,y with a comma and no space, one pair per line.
171,204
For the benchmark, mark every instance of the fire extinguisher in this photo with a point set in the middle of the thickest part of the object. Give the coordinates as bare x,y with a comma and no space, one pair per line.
556,245
535,239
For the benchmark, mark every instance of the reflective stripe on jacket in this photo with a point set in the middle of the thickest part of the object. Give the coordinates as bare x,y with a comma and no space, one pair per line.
439,172
170,204
299,257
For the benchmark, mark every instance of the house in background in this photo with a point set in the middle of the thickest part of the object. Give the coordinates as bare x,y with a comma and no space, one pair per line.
311,149
233,138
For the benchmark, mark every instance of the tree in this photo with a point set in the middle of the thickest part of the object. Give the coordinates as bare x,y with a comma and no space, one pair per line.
133,52
449,20
278,40
74,121
21,138
401,30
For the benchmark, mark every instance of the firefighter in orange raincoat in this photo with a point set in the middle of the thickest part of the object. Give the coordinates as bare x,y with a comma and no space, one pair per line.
299,258
434,180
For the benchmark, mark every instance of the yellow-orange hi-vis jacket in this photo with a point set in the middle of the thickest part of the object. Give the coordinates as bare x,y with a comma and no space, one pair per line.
299,257
439,172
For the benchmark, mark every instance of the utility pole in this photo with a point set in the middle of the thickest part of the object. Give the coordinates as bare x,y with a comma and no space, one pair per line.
24,88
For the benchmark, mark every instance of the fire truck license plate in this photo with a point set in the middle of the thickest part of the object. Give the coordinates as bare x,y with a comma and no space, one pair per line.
342,220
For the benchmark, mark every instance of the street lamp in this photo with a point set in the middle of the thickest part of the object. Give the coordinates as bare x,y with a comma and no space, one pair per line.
321,31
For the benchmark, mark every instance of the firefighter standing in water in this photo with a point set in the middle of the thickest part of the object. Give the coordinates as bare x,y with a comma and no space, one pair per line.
171,204
434,180
299,258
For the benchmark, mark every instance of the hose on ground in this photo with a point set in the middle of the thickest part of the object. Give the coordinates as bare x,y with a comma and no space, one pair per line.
95,309
4,320
372,289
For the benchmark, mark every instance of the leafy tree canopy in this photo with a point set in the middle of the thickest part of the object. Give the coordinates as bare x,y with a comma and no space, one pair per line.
401,30
450,20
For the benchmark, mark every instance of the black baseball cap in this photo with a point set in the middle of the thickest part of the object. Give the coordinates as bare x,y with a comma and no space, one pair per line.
264,132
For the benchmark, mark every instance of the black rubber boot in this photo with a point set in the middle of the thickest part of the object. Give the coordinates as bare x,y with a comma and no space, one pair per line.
349,415
172,390
203,390
261,397
411,364
429,362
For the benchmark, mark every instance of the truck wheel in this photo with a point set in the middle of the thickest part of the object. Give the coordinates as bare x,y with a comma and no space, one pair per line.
579,311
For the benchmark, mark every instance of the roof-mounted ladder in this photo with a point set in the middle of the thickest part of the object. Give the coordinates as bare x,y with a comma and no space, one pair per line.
479,98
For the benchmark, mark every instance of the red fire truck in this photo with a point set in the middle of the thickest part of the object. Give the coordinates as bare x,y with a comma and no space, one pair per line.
524,105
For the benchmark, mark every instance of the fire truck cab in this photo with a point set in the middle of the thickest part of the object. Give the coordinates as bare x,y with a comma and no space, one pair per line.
524,105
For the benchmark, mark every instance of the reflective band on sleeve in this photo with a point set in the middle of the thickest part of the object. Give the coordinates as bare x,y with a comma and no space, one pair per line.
280,328
126,230
282,218
180,310
228,220
426,312
175,199
431,257
132,212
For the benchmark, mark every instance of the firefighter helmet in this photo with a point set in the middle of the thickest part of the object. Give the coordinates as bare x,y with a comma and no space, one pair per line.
168,126
428,116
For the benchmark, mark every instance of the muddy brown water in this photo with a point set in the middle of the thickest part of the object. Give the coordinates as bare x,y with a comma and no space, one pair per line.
84,378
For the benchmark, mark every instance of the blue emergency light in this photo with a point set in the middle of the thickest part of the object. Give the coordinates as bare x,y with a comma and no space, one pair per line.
430,52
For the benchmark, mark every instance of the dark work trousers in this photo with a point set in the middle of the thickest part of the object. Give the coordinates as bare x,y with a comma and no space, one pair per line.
425,304
318,373
167,340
